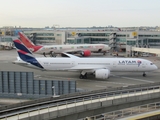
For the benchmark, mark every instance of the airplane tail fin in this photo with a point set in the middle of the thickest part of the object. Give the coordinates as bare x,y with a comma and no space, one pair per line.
25,54
28,43
25,40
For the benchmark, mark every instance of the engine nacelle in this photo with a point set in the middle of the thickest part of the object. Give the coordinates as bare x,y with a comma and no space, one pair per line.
102,73
86,53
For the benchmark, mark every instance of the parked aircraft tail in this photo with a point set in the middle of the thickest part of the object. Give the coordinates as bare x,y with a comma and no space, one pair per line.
25,54
28,43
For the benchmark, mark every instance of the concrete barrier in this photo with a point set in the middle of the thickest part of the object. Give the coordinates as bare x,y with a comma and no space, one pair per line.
71,110
53,114
119,101
143,97
131,99
62,112
155,95
80,108
107,103
94,105
43,116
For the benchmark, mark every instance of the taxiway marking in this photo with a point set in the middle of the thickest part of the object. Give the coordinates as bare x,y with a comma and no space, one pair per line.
138,79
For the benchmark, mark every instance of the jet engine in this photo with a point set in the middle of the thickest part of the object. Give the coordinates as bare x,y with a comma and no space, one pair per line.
102,73
86,53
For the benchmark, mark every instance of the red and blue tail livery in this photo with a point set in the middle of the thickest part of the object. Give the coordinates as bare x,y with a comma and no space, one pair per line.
25,54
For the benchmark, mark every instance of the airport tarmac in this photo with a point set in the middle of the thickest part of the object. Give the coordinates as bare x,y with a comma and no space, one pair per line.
117,79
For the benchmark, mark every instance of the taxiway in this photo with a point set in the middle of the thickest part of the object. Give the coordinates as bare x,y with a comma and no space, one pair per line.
117,79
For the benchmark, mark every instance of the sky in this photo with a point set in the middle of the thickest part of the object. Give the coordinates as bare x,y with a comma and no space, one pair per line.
79,13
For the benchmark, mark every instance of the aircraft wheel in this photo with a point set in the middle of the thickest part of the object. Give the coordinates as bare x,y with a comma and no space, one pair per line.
44,54
144,74
52,54
81,76
85,76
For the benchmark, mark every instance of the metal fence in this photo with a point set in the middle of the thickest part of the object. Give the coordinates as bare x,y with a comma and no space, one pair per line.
22,84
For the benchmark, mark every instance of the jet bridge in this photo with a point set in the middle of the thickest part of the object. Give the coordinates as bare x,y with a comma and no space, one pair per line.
147,50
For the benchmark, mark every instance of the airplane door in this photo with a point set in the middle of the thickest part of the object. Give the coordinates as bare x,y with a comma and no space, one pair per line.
114,65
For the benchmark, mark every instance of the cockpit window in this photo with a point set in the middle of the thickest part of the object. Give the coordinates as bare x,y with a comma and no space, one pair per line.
151,63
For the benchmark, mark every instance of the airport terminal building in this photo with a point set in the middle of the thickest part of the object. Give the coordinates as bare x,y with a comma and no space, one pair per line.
116,39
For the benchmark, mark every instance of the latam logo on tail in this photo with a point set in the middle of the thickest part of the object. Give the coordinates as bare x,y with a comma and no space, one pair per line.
128,62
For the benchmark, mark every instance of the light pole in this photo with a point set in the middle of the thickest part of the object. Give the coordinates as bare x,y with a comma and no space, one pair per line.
53,87
19,94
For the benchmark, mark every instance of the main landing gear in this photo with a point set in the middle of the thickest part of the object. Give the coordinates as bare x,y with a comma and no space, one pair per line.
52,54
104,53
44,54
83,76
144,74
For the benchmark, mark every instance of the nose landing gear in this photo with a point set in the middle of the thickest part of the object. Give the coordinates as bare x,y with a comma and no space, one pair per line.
144,74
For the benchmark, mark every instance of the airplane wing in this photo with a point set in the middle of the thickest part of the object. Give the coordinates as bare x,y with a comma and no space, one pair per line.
69,55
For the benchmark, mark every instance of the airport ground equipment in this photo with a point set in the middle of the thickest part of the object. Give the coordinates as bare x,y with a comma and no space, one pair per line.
81,105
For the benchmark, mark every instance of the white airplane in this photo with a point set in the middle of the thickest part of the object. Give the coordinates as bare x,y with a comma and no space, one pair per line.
100,67
82,49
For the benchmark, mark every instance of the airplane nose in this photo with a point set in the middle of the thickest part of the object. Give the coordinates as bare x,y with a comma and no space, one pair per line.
156,67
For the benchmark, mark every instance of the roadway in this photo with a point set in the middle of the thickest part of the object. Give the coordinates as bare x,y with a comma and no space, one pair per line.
117,79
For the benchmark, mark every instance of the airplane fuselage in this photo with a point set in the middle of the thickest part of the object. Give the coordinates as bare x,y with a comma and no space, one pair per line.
100,67
73,48
112,64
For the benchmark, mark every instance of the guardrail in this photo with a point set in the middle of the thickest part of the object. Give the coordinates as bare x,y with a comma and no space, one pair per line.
60,104
74,95
137,110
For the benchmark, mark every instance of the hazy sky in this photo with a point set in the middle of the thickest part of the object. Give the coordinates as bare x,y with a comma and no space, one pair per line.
79,13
